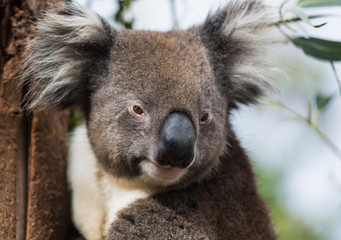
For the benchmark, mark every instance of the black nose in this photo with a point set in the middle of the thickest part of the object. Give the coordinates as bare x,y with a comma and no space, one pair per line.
177,139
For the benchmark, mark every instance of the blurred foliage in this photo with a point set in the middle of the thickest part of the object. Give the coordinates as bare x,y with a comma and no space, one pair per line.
76,118
319,48
305,18
313,123
322,101
318,3
287,227
120,18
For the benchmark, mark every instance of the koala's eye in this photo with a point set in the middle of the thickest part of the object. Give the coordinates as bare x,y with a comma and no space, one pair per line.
138,110
205,119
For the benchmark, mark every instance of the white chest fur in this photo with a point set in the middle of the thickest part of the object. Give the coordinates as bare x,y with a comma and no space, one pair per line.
96,200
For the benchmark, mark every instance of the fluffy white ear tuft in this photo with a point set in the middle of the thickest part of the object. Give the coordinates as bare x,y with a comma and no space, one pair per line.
69,46
239,38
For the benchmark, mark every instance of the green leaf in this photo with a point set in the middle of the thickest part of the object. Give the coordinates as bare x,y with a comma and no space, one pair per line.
322,101
305,17
318,3
319,48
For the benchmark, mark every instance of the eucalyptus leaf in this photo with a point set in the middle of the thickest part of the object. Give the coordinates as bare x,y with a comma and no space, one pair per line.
322,101
319,48
318,3
305,17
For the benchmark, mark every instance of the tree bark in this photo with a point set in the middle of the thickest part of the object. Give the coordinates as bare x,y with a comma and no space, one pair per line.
33,192
47,208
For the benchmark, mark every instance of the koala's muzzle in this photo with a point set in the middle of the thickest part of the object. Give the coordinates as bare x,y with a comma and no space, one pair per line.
176,143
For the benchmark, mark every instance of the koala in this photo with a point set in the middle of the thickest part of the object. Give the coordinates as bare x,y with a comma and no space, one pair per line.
157,157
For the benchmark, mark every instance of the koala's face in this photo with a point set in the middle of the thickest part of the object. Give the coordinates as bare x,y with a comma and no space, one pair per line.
157,104
157,113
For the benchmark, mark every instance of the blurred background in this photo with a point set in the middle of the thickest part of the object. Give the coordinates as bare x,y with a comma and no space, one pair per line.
294,137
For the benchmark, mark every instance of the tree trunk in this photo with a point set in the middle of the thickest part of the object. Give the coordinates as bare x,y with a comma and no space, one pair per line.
33,191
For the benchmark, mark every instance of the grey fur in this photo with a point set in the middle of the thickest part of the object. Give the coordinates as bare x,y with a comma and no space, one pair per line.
240,42
69,46
76,58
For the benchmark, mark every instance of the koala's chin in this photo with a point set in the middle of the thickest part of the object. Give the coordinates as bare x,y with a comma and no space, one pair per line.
161,175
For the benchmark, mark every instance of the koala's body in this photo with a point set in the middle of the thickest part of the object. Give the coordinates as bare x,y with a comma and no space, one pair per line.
157,157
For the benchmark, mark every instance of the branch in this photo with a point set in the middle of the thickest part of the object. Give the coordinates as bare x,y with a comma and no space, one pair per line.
329,143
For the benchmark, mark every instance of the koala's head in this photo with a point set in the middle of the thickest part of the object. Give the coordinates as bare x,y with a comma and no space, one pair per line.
156,103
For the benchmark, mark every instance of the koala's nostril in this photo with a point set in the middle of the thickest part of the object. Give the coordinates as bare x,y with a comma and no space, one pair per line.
163,160
186,162
177,140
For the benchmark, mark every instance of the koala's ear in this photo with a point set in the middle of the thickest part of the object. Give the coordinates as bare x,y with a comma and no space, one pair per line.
70,46
237,38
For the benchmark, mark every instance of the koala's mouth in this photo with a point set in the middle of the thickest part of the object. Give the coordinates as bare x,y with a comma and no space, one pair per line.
165,174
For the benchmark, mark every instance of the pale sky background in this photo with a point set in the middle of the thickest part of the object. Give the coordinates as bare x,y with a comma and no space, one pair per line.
311,186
